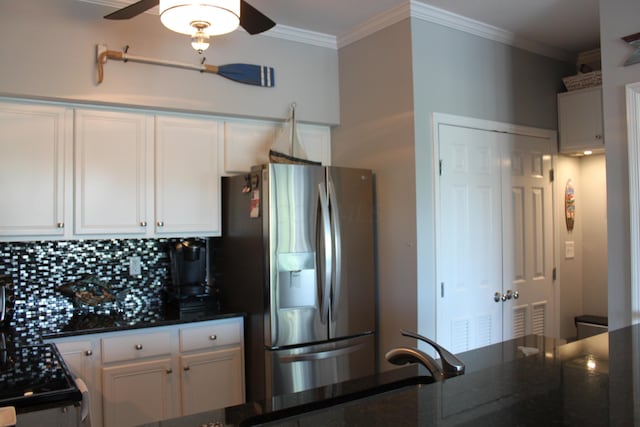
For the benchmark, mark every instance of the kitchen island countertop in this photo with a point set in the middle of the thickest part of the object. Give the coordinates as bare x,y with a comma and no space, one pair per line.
529,381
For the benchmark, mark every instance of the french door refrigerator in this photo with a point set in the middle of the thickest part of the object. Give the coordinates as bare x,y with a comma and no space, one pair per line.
297,256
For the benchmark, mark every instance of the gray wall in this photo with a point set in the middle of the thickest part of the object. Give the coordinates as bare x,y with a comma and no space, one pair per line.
376,132
391,83
618,18
582,280
570,271
594,235
458,73
48,49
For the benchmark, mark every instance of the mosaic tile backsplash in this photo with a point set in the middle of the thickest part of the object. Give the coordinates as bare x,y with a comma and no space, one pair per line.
37,268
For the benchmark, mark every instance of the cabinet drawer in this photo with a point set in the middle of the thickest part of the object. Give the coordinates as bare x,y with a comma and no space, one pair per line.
210,336
135,346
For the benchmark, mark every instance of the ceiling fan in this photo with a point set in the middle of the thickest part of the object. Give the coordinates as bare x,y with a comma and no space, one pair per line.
201,18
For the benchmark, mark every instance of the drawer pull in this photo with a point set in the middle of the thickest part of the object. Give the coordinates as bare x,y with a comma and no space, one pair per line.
143,223
213,337
138,346
187,368
169,371
60,225
160,223
88,353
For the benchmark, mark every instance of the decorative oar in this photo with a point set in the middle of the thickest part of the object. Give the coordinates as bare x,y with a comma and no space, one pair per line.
256,75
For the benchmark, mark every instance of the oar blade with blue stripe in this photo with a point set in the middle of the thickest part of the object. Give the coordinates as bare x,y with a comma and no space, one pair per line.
257,75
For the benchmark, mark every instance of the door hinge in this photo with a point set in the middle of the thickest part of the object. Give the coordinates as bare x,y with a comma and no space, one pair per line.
551,175
554,273
441,289
440,167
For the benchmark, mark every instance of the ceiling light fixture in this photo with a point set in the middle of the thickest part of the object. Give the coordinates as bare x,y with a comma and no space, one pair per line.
200,18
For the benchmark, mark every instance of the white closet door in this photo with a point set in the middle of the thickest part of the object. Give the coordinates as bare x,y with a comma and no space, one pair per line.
495,237
528,225
470,240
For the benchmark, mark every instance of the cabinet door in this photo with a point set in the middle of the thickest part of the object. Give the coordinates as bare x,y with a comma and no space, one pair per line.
247,144
211,380
138,393
580,120
82,357
316,141
33,144
111,152
187,178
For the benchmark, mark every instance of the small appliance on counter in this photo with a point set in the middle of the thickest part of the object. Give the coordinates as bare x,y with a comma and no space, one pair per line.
189,293
6,301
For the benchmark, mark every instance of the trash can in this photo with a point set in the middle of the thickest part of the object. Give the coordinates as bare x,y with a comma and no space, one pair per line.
589,325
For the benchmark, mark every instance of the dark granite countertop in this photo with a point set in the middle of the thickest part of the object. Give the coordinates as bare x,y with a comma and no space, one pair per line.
530,381
83,322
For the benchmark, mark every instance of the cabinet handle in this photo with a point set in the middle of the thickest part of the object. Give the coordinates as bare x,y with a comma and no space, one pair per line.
138,346
160,223
143,223
187,368
169,371
598,137
213,337
88,353
60,225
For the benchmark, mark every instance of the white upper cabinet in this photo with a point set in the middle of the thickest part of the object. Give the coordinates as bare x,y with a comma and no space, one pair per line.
111,171
580,120
247,144
97,172
187,179
35,143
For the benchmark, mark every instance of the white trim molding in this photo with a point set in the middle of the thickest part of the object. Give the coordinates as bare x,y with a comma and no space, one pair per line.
633,143
406,10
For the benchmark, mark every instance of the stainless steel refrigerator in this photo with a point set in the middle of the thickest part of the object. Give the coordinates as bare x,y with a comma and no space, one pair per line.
297,255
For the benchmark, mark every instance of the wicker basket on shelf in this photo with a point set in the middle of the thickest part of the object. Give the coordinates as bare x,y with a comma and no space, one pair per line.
583,80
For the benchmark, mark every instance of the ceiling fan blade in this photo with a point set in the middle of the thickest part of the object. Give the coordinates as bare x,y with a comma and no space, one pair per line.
252,20
133,9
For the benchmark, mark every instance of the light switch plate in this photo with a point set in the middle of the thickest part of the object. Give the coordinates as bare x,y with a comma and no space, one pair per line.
569,249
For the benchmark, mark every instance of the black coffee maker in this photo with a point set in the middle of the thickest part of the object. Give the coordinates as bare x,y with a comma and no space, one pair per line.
190,296
188,262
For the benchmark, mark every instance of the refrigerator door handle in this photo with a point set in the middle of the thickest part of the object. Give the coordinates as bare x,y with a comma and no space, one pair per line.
335,223
320,355
327,259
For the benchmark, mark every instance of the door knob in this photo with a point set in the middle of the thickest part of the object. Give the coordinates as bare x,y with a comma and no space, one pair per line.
509,294
497,296
515,294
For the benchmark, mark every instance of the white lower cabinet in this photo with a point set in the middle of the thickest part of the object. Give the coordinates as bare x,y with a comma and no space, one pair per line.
146,375
211,380
138,393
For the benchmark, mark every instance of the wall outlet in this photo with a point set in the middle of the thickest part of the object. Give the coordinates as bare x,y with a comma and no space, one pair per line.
135,269
569,250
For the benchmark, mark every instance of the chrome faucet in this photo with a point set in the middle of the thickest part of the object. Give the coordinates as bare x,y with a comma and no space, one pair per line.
450,365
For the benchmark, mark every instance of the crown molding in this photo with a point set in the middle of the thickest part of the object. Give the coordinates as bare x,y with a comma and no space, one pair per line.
377,23
302,36
409,9
438,16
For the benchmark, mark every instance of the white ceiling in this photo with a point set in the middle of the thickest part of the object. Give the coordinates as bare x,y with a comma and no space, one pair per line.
570,25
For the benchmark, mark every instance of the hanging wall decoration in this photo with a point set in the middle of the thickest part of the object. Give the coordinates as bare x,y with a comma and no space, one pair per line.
569,205
256,75
634,41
